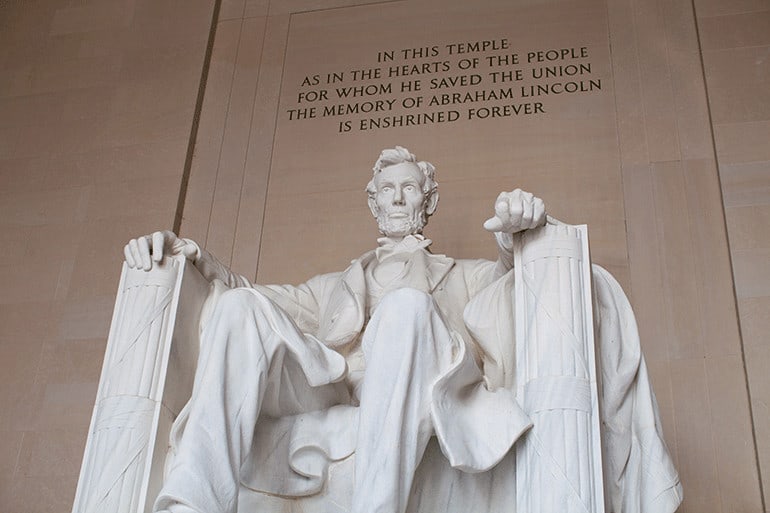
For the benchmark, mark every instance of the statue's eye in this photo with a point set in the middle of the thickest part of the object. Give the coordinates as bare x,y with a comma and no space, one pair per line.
386,188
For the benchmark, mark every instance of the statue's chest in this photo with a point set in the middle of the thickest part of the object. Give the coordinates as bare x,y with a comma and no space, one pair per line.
396,272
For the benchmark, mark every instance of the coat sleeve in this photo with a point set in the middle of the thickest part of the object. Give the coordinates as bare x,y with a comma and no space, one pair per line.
301,302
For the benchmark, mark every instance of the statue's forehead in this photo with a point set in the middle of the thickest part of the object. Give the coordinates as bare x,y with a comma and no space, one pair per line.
400,172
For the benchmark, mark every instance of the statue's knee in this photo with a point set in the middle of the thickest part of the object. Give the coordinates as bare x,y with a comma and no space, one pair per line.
236,303
400,324
240,312
234,299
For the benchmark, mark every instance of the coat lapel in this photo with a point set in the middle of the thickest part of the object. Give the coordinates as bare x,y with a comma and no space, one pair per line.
343,315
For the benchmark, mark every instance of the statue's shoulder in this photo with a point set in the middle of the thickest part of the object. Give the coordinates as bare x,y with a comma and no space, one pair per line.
323,282
326,283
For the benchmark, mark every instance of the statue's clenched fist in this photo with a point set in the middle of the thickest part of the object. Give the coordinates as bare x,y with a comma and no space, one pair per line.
141,252
516,211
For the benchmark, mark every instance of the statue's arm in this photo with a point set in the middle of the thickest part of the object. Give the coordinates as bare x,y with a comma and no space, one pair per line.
515,211
212,269
143,252
298,301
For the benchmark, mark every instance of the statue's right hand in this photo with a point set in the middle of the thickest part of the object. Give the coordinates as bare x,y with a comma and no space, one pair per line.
141,252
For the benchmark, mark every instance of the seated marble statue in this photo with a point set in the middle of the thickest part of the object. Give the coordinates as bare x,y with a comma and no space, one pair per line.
376,360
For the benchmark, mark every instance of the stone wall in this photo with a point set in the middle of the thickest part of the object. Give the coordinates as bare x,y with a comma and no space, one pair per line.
735,43
97,101
98,104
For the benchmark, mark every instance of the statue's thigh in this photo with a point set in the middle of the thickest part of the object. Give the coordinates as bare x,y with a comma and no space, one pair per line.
288,392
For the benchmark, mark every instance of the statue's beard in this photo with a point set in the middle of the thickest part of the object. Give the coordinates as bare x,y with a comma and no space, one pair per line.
401,227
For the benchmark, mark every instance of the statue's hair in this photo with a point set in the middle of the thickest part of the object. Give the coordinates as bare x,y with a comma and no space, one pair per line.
400,155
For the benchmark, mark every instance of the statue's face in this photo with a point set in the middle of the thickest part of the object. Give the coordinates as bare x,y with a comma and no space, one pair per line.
400,202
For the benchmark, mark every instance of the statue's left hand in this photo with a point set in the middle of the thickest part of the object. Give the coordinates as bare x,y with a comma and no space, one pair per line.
516,211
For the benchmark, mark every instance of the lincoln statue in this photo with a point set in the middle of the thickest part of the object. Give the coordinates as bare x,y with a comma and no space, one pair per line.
375,361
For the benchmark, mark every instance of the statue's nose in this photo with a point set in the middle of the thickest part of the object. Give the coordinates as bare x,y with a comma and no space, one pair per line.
398,197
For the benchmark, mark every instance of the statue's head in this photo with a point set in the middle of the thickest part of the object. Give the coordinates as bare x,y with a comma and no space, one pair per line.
402,193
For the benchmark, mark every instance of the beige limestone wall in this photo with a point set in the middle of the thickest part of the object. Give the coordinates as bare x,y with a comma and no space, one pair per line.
98,97
96,107
735,39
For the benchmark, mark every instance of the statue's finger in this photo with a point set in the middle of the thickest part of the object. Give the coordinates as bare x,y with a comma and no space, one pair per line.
157,246
516,211
175,243
502,208
539,212
136,253
189,251
493,224
128,256
144,252
527,214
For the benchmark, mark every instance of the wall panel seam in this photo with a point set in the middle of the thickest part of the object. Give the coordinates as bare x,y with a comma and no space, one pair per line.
729,255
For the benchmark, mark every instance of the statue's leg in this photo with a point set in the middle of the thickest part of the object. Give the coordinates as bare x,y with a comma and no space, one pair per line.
247,337
406,344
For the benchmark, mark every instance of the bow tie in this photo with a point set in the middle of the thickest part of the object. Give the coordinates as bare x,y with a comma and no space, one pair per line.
408,244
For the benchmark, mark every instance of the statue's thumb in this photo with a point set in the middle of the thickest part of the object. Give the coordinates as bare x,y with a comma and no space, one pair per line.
493,224
189,250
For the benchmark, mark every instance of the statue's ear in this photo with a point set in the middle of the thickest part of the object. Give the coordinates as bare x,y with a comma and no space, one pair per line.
432,202
373,206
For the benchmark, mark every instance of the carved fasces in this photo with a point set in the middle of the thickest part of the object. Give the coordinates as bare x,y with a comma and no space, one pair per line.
146,378
558,462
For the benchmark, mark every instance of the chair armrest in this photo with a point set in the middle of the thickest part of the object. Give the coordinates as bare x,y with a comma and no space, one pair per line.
559,461
147,377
